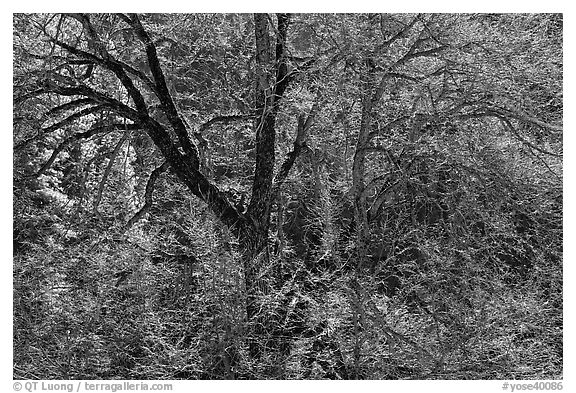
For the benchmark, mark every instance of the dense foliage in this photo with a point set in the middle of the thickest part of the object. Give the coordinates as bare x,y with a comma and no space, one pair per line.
354,196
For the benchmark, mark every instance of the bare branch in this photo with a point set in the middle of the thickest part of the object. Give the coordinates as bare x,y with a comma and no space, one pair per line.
226,119
508,125
109,170
388,126
72,117
79,136
62,123
557,176
69,105
304,125
424,53
147,196
26,96
185,166
163,93
90,59
223,119
518,114
96,96
401,33
109,62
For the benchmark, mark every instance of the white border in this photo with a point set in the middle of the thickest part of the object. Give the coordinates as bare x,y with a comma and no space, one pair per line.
292,6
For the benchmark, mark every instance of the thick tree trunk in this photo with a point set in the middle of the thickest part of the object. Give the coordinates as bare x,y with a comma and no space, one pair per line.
272,81
254,249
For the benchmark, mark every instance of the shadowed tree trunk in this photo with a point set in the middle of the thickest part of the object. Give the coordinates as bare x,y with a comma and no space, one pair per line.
272,81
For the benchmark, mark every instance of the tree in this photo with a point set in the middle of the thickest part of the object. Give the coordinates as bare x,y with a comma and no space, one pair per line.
83,46
429,69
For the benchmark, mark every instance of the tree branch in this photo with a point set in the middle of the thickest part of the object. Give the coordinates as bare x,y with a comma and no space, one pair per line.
62,123
304,125
147,196
109,170
401,33
196,182
163,93
508,125
525,117
69,105
226,119
34,93
388,126
424,53
90,59
77,137
259,207
223,119
97,97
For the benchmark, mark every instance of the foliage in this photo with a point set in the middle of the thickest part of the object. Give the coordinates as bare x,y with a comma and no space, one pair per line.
356,196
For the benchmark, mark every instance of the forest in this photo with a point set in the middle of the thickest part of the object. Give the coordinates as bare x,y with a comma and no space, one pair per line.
287,196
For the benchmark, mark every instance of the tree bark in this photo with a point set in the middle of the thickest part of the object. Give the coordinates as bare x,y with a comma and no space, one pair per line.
358,177
273,79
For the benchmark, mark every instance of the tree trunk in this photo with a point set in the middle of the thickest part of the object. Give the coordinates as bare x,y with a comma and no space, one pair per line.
358,183
370,100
